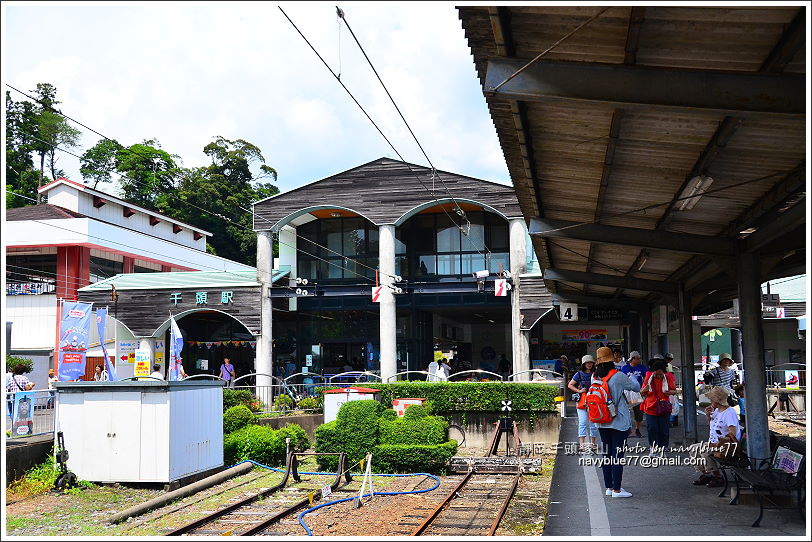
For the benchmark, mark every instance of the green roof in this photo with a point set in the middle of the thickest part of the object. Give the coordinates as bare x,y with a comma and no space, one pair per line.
183,279
790,289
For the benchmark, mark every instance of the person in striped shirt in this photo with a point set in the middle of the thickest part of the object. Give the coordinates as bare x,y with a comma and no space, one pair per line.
723,375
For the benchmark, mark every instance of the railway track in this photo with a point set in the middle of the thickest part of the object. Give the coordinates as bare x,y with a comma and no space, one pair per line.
256,513
469,508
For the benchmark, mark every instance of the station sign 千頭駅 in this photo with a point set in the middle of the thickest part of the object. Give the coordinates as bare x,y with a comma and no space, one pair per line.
222,297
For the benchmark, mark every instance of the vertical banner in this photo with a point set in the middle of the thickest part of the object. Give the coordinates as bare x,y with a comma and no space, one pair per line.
23,419
73,340
175,348
101,322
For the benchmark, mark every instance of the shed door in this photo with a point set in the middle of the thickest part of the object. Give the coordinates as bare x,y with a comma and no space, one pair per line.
125,450
95,439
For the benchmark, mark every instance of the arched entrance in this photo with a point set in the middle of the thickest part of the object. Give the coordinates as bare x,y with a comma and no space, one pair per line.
209,337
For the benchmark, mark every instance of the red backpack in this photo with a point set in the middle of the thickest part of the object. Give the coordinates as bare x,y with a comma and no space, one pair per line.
599,405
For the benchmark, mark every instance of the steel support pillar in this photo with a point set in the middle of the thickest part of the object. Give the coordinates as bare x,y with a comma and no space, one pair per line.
263,362
388,310
755,403
687,359
518,265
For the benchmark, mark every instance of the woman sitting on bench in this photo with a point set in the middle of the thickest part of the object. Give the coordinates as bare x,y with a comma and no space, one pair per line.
724,432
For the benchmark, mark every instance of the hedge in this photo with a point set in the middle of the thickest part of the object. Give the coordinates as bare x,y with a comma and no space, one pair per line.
327,441
298,437
472,396
262,444
232,398
412,458
236,418
424,430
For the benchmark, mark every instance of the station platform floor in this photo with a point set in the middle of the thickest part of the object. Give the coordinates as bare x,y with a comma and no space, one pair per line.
664,501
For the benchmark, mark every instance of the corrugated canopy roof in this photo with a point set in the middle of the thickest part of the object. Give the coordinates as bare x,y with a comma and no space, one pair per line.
633,112
182,279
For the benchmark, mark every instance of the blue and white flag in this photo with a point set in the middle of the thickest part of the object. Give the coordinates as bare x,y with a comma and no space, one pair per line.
101,322
74,336
175,348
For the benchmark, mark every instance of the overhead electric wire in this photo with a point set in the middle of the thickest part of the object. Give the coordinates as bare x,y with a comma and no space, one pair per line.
337,78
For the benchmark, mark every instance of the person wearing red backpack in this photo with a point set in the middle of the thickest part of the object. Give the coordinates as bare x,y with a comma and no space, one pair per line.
607,408
658,386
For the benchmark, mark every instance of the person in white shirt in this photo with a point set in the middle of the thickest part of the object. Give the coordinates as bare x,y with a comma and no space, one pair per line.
444,371
156,372
724,431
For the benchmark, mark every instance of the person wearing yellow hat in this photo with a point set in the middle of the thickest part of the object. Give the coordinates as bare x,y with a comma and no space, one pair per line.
613,433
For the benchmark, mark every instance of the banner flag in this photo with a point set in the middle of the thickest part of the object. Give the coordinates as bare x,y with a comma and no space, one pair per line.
208,344
101,322
253,344
175,348
73,340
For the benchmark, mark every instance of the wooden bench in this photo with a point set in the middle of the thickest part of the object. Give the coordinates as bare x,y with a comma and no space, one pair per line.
768,476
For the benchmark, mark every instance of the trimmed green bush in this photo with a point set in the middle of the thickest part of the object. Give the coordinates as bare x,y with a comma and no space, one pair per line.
298,437
236,418
412,458
232,398
327,441
473,396
389,414
415,411
260,443
283,401
426,430
356,433
308,403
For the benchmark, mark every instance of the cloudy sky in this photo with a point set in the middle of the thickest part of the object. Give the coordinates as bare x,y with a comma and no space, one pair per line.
184,73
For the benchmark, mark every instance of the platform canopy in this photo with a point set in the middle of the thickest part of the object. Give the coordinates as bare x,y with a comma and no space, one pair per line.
653,144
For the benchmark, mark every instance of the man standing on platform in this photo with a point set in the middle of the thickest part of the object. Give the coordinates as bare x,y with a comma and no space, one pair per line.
636,369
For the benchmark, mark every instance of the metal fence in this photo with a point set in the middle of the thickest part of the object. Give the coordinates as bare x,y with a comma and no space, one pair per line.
33,415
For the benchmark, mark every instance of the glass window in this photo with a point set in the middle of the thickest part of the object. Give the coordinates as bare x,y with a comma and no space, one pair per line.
372,236
427,265
140,269
421,234
31,267
448,235
331,237
102,268
335,268
307,233
498,235
475,240
448,264
354,237
472,263
497,258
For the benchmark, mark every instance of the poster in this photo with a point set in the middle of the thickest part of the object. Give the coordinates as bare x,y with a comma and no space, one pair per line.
23,414
74,337
125,352
142,363
787,460
571,335
791,380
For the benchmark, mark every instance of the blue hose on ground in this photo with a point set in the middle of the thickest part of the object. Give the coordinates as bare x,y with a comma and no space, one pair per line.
436,485
303,514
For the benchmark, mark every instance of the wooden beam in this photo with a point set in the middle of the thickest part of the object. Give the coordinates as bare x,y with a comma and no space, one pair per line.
127,211
98,202
502,35
176,228
787,221
615,281
726,92
788,46
619,235
636,17
153,220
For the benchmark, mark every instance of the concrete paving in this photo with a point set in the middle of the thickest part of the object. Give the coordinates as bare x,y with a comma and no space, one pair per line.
665,502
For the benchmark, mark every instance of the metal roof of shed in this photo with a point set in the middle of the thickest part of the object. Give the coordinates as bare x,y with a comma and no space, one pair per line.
601,127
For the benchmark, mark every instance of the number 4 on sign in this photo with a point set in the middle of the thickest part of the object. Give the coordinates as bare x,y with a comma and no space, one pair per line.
569,312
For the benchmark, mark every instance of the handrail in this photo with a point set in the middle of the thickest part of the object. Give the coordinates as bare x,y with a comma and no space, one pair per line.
408,372
356,374
557,375
257,374
479,371
213,377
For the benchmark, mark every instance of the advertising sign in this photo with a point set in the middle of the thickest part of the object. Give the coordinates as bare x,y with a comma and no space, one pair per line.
571,335
74,336
126,351
23,418
792,381
142,363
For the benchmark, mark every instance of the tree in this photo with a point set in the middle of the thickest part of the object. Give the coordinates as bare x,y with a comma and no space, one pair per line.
99,162
148,172
59,134
227,188
22,179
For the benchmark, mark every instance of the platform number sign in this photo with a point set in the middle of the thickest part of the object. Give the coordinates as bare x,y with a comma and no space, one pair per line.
569,312
506,405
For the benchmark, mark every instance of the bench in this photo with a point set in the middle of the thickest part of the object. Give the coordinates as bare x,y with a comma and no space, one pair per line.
783,472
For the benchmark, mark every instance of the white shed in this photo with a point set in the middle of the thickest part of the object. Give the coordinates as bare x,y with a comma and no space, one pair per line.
333,399
141,431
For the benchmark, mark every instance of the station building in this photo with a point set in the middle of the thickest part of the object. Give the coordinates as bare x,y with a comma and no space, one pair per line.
80,237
